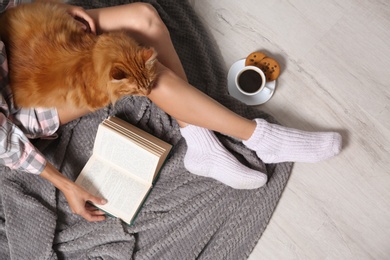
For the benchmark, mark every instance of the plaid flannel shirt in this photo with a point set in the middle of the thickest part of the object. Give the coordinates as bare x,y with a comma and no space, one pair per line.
18,125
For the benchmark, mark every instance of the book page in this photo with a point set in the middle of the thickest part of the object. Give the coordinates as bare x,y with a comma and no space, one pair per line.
123,193
142,138
153,140
120,151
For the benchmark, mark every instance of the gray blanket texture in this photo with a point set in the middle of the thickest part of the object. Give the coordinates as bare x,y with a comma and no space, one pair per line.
185,216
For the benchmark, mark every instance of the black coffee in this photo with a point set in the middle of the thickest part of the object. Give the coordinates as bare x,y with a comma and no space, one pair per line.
250,81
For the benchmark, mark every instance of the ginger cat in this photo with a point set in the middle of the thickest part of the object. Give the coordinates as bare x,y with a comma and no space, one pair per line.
53,62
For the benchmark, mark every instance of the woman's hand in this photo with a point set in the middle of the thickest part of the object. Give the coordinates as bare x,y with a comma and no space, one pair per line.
79,199
79,14
76,196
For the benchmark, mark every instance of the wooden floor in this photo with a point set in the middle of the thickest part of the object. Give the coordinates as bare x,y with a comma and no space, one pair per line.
335,57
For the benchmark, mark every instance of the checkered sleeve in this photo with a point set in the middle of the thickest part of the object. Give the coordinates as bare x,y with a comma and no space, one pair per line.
16,151
37,122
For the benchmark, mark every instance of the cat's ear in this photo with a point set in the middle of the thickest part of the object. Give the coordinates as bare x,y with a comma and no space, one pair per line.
149,55
117,73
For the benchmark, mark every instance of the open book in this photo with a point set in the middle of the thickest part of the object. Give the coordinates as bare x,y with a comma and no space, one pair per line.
123,167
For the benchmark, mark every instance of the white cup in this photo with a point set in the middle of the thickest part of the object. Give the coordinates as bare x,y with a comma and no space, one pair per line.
250,80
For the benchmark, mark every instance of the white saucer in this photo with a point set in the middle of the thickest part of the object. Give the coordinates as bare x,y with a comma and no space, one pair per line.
258,99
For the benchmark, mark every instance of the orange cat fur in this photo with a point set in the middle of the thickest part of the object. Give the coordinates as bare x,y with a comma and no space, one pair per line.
53,62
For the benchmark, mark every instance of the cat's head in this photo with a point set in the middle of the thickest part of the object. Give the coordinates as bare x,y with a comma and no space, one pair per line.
134,77
131,68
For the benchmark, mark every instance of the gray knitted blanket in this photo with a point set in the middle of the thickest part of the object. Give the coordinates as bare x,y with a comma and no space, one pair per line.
185,216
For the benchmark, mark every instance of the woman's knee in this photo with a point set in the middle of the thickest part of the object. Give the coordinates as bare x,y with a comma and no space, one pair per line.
149,21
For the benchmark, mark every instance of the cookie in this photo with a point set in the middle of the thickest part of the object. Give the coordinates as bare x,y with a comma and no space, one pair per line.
270,67
254,58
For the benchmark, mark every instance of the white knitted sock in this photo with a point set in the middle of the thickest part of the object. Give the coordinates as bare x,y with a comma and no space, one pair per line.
274,143
207,157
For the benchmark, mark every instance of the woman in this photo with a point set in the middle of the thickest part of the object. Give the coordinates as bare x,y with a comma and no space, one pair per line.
197,115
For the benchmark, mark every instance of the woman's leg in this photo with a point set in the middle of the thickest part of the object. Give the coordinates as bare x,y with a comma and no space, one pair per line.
188,105
272,143
205,156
